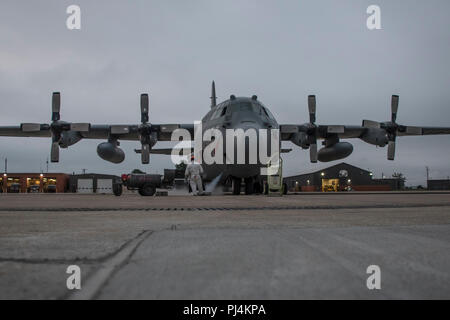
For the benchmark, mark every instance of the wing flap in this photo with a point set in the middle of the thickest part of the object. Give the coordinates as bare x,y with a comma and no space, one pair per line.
16,131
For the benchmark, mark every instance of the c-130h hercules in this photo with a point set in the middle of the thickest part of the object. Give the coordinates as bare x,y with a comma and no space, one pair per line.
234,113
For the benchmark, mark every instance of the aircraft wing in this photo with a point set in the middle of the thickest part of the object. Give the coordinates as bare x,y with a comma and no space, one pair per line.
346,132
373,132
16,131
163,132
288,131
122,132
427,131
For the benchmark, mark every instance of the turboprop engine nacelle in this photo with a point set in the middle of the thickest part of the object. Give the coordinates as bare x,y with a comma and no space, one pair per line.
69,138
300,139
109,151
337,151
375,136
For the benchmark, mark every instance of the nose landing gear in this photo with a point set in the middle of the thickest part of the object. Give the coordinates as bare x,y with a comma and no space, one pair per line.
249,186
252,186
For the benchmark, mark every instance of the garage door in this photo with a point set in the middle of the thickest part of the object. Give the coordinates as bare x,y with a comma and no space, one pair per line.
85,186
104,186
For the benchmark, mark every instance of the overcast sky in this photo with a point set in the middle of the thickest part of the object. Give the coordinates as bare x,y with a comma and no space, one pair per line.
280,50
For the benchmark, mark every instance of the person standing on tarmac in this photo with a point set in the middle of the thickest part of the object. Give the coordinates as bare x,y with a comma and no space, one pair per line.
193,175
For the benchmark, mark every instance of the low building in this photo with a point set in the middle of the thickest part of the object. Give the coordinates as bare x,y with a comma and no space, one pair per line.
92,183
33,182
341,177
393,183
438,184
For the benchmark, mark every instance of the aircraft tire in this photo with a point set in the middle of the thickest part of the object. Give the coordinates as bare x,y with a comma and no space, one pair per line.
249,189
285,188
236,186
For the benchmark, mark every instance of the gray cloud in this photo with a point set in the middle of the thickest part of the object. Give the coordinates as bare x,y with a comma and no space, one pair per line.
281,51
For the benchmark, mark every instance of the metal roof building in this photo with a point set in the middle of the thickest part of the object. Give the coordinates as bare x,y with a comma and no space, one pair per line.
340,177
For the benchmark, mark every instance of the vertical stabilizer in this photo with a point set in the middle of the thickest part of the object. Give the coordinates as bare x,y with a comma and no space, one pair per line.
213,95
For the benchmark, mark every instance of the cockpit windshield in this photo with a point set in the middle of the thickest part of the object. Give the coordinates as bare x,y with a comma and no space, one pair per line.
246,106
268,113
241,106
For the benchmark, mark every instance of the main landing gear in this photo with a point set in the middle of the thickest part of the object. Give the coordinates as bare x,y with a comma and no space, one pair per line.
251,186
236,185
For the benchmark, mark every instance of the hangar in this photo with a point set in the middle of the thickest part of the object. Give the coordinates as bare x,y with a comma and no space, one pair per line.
33,182
56,182
341,177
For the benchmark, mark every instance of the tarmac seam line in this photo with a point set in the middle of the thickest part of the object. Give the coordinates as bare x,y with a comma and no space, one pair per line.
75,260
306,207
91,288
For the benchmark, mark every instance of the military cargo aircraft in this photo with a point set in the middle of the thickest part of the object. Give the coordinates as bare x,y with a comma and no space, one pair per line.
235,113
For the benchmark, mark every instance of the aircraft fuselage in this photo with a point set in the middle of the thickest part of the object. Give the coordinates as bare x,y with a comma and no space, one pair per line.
237,113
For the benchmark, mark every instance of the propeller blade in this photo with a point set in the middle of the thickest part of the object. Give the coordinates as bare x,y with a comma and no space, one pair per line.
144,108
312,108
56,106
82,127
213,95
145,154
394,108
54,153
391,150
313,152
370,124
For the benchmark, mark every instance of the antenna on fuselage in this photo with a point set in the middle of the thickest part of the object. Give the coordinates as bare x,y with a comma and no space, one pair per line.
213,95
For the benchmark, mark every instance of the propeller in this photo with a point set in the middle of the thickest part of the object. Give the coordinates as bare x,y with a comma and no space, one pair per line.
392,128
306,135
145,130
57,127
312,129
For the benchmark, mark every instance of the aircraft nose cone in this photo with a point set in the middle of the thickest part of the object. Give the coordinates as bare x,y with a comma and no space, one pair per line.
246,158
246,162
249,124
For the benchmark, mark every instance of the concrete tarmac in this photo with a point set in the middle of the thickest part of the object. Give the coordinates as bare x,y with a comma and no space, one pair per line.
225,247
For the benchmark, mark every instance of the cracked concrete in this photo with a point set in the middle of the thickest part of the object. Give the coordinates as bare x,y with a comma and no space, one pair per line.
94,284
